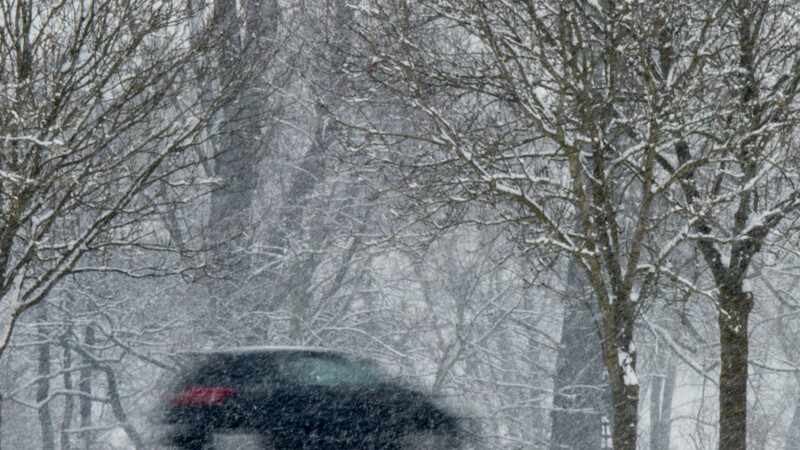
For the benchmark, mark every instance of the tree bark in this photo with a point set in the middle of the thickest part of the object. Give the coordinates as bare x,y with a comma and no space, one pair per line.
626,411
735,306
619,358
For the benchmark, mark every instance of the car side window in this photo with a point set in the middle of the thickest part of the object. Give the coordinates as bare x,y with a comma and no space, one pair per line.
257,370
325,371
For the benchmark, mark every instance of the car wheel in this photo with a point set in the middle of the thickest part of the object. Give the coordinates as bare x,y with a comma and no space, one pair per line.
427,440
239,441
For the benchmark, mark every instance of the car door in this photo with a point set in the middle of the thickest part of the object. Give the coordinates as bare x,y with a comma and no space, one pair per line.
322,401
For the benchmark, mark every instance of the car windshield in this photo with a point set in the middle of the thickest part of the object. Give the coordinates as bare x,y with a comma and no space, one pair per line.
326,371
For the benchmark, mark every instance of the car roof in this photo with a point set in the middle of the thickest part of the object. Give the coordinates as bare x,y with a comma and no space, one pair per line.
267,349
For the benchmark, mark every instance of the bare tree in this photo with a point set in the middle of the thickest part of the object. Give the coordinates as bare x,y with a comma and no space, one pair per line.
746,187
551,115
98,108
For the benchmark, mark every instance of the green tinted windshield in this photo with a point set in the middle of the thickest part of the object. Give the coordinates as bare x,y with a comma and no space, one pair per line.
325,371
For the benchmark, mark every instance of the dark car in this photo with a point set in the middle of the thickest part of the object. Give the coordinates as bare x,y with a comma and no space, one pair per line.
300,398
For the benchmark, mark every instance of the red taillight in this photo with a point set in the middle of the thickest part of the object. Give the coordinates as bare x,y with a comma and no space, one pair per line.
201,395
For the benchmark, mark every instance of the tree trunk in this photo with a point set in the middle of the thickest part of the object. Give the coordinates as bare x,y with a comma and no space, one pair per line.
626,411
619,358
793,437
661,408
294,287
43,387
238,147
85,386
118,410
1,420
235,152
69,401
735,307
578,384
